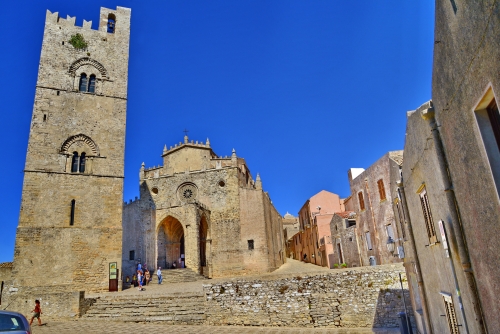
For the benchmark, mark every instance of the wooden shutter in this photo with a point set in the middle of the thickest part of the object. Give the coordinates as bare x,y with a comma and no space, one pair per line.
361,201
381,189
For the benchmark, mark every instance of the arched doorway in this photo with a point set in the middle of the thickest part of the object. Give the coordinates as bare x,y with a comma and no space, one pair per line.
203,244
170,243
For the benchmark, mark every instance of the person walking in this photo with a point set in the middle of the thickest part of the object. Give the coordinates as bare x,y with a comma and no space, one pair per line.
139,279
38,311
160,277
147,276
134,280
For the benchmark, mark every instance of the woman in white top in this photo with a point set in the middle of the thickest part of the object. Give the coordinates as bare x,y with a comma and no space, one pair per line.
139,278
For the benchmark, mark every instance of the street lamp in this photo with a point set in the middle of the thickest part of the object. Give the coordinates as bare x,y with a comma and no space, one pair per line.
390,245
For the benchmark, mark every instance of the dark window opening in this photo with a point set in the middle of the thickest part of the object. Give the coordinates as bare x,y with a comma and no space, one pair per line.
494,117
250,244
58,92
131,255
82,162
74,163
83,83
92,84
63,43
111,23
72,215
44,117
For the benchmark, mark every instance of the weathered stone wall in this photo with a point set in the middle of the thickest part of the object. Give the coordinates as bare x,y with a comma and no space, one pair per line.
466,63
346,237
275,238
137,225
254,227
361,297
57,303
377,212
421,168
5,271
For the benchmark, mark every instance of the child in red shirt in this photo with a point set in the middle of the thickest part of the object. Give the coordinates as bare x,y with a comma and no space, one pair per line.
38,311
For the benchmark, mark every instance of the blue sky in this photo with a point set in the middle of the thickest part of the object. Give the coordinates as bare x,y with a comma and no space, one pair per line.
303,90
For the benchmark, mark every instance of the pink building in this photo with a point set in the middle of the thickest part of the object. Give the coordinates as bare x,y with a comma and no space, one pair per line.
313,243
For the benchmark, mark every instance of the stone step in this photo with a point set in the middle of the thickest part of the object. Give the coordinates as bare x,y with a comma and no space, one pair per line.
173,308
171,319
192,308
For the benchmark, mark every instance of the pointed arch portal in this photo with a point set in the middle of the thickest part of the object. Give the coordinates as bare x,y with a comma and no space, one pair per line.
170,243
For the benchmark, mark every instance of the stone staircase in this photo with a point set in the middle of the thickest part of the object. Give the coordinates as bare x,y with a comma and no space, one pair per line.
175,309
178,276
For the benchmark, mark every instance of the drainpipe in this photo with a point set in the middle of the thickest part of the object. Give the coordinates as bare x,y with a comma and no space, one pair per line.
413,251
456,221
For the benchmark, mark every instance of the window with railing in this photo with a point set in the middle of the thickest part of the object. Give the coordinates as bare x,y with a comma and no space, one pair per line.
426,210
450,314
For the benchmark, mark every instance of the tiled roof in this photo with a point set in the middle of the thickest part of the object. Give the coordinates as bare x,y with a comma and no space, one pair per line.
346,214
6,265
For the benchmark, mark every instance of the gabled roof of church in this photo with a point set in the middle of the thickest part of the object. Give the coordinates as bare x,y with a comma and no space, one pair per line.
192,144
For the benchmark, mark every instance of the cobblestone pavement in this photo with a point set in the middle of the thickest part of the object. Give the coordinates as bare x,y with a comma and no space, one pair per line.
110,327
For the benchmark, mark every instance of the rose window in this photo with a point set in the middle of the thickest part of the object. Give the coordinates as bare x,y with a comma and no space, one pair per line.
187,192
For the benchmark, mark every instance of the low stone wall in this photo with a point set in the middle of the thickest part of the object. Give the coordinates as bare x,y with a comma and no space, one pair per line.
56,304
354,297
5,271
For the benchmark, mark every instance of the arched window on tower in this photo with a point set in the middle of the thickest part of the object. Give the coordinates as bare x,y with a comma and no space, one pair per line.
83,83
82,162
111,23
74,163
92,84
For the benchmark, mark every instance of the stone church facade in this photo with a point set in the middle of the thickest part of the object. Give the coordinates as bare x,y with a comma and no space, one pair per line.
202,212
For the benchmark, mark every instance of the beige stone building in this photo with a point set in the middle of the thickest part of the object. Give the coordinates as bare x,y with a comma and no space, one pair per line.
378,238
203,212
344,239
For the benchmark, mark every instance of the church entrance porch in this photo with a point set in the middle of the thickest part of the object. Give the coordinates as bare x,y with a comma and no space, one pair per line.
170,244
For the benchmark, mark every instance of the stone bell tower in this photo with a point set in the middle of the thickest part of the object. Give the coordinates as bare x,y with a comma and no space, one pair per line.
70,223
